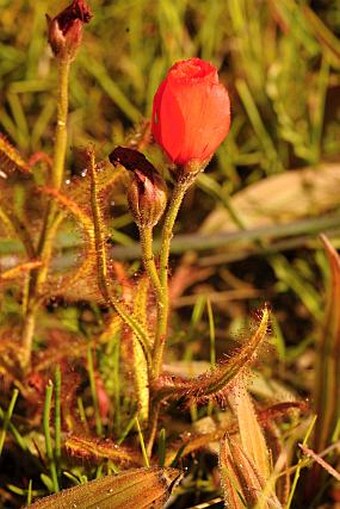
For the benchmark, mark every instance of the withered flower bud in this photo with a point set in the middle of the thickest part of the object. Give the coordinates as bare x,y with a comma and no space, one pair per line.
65,30
147,193
147,198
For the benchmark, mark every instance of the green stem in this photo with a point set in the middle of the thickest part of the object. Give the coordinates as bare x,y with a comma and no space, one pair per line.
57,417
48,440
142,443
149,259
7,418
181,187
52,218
153,421
60,144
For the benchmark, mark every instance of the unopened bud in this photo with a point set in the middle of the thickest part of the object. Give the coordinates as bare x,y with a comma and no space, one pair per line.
66,29
147,194
147,198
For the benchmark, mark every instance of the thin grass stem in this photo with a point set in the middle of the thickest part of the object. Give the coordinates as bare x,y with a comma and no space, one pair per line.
301,463
48,440
128,428
212,338
7,417
90,368
162,447
142,443
57,416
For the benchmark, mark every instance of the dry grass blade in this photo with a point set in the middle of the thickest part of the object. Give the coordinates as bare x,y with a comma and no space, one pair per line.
243,483
254,444
231,485
327,379
281,199
142,488
320,461
327,39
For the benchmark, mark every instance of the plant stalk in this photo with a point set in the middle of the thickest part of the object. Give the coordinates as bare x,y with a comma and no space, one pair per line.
52,218
145,234
181,187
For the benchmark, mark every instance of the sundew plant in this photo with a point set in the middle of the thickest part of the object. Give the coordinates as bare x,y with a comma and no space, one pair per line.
170,281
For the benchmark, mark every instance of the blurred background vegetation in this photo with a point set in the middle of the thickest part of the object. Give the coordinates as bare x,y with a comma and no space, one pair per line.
271,188
280,61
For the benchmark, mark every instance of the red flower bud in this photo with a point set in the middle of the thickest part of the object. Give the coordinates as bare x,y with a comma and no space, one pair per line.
65,29
191,113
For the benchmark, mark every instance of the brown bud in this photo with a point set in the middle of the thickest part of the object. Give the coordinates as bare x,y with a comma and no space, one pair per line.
65,30
147,195
147,198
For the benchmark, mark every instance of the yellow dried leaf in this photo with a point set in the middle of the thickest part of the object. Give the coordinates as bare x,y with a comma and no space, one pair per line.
253,443
142,488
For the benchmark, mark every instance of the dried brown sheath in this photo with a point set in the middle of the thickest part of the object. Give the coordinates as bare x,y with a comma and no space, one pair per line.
144,488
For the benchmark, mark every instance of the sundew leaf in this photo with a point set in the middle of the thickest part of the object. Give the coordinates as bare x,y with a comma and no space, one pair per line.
12,226
75,199
215,383
143,488
88,260
19,270
141,380
97,449
110,182
102,265
10,159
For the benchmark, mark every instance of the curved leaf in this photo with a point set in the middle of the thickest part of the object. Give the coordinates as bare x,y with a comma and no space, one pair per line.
216,382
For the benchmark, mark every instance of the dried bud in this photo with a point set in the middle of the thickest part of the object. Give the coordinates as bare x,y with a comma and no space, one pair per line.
65,30
147,198
147,192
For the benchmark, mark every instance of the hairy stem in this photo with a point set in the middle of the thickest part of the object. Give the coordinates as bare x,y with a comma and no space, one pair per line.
181,187
52,217
149,259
